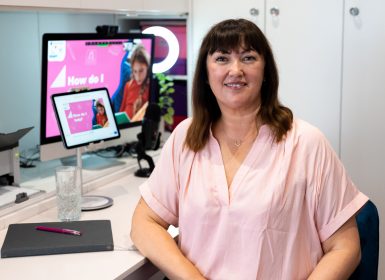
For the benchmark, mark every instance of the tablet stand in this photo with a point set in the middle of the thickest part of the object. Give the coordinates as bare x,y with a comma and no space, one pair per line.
91,202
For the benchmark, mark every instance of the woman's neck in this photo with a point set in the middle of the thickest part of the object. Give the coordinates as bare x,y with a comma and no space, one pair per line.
238,125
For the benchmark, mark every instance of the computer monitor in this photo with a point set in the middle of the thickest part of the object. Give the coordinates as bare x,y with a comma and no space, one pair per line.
74,62
85,117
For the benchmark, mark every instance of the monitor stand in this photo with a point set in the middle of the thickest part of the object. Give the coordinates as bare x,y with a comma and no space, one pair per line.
91,202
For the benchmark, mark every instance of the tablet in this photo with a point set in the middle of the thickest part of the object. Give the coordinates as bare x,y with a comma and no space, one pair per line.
85,117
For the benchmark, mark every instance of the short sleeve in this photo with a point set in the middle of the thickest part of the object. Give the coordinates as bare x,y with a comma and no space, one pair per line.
161,190
337,198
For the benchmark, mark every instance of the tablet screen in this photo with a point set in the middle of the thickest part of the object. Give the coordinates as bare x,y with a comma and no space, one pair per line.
85,117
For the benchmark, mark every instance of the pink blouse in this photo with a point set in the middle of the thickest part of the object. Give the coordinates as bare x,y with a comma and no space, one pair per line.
285,199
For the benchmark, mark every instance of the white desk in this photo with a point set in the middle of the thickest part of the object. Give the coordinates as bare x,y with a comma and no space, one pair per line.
117,264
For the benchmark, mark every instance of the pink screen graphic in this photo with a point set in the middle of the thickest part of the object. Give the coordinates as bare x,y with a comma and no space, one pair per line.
84,65
79,116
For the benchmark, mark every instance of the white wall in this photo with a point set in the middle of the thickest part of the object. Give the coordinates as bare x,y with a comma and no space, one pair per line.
20,64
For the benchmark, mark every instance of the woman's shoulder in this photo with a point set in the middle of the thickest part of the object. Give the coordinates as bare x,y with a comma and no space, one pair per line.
306,133
180,130
303,127
175,142
184,124
306,140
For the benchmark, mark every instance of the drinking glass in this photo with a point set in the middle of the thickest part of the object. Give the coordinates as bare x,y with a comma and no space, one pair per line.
68,193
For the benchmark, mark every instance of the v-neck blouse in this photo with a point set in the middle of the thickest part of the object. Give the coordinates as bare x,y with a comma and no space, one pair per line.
285,199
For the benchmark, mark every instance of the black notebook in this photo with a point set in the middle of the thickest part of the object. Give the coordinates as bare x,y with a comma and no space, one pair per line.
26,240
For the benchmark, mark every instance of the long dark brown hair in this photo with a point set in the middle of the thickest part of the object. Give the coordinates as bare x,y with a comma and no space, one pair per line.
230,35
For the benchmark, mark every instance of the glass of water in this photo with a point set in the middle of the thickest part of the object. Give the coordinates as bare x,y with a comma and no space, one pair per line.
68,193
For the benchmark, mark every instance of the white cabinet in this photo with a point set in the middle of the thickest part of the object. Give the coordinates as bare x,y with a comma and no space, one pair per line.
306,40
112,5
166,6
156,7
363,97
41,3
363,102
151,7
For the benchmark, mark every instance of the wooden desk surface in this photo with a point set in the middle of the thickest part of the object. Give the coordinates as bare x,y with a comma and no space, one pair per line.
117,264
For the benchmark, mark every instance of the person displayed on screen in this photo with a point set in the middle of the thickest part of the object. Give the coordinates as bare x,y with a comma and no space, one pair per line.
136,91
101,116
255,192
125,76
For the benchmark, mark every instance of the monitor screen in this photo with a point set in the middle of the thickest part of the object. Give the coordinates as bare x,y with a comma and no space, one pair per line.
122,63
85,117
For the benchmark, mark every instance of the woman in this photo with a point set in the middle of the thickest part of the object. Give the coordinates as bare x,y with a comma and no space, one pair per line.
256,193
136,90
101,116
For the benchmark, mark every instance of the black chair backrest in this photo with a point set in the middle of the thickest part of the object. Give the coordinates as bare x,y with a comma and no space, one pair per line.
368,227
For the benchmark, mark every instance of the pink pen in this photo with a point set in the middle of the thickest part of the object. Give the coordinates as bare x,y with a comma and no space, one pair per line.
59,230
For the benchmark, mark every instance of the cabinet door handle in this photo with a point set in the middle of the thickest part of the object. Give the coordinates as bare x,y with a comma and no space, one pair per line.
274,11
354,11
254,12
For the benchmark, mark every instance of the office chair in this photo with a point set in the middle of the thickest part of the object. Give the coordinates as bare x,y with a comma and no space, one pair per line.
368,228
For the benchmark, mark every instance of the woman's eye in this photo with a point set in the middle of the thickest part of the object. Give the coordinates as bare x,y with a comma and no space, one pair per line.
249,58
221,59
